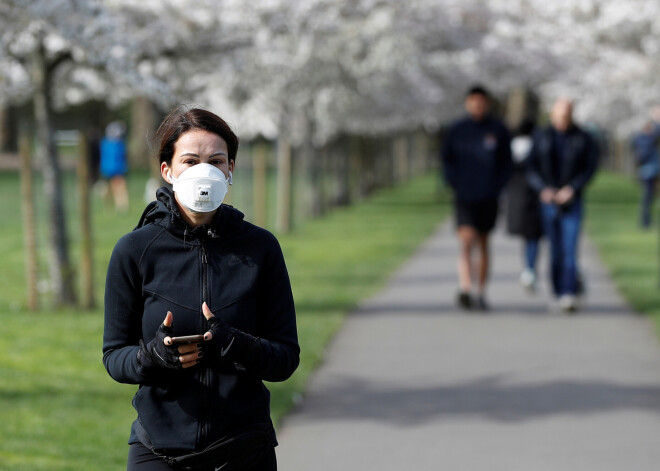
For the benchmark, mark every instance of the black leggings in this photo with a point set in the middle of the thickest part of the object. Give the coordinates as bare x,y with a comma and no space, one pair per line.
141,458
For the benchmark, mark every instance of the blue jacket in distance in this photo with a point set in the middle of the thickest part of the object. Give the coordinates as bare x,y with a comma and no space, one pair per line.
113,158
645,147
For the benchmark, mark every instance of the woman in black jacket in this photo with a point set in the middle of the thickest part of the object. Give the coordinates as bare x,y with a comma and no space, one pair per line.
194,266
523,209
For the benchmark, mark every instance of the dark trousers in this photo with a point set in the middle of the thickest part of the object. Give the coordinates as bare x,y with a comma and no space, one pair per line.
141,458
648,194
562,227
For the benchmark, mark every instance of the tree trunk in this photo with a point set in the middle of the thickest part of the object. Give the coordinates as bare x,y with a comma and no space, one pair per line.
259,182
142,127
29,226
283,216
401,159
324,179
421,146
341,162
6,124
355,172
86,255
311,181
61,272
367,157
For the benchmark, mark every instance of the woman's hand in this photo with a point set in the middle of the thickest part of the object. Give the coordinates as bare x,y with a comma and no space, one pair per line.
161,353
223,343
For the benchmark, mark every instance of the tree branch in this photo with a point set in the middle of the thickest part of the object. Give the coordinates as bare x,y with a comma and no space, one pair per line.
61,58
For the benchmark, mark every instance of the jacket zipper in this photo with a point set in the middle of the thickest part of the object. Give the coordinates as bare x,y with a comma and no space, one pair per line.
207,371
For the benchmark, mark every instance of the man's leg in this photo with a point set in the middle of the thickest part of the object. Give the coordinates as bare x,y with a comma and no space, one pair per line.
483,269
571,222
549,216
466,237
484,261
648,193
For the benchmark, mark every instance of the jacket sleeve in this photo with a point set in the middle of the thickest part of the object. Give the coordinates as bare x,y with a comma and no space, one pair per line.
123,315
656,130
275,354
533,167
504,162
590,165
448,158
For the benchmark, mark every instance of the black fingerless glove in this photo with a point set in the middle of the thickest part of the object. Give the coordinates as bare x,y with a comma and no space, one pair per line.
156,354
228,344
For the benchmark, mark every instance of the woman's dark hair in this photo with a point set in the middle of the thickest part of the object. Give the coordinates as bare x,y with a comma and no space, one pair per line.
184,119
525,128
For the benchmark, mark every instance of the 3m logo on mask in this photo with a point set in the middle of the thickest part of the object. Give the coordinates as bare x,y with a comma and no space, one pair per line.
200,188
203,193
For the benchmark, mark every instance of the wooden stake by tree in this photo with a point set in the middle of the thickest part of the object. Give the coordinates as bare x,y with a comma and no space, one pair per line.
86,256
29,226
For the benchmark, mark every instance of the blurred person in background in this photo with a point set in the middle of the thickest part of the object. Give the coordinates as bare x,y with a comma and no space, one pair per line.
523,209
194,266
564,158
645,148
476,157
114,163
93,147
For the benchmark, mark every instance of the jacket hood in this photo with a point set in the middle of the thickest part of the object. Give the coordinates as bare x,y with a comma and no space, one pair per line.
165,212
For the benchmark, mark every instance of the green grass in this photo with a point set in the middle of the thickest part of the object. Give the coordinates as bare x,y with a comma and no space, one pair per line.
630,253
59,408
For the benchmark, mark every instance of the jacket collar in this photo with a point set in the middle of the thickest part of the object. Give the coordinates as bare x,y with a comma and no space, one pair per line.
165,212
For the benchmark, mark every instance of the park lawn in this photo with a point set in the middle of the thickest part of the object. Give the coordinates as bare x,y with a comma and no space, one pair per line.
59,408
629,252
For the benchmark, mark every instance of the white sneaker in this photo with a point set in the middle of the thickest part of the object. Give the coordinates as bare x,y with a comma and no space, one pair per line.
528,280
568,303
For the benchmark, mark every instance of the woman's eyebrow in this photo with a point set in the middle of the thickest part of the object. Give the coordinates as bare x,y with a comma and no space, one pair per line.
192,154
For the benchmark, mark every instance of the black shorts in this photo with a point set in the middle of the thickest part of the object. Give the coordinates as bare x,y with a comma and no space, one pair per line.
480,215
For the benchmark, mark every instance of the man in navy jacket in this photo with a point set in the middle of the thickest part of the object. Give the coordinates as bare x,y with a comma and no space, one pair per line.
563,160
476,159
645,147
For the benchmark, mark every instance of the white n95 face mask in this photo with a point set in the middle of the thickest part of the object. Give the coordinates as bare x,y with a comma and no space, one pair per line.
200,188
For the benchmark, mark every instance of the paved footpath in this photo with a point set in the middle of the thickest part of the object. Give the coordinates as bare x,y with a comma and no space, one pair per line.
410,383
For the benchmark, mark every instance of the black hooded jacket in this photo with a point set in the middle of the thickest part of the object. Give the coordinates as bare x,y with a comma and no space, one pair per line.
576,167
239,270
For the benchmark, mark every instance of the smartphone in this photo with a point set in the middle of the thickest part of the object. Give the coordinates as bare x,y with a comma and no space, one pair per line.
188,339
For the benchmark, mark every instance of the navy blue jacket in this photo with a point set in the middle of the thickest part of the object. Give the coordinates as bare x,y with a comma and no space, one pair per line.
645,147
577,166
239,270
477,158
